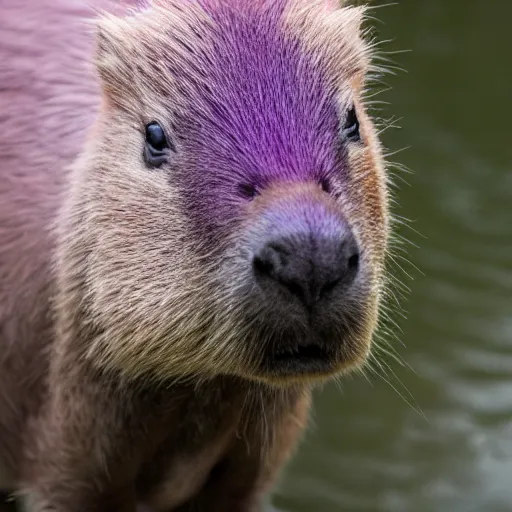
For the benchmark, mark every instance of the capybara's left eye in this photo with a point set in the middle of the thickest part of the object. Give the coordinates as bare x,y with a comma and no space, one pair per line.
351,126
155,136
156,151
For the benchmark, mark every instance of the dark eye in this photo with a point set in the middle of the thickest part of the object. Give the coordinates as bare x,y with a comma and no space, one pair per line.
156,150
351,126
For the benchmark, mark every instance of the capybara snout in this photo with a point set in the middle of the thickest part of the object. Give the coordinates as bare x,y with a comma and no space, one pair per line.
308,287
307,250
310,267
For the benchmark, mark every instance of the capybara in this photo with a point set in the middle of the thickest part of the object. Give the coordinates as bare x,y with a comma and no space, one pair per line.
193,232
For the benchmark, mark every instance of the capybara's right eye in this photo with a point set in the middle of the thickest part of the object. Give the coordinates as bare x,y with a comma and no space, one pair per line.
351,126
157,146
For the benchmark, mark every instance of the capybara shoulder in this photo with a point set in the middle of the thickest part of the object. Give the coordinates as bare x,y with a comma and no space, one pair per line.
48,97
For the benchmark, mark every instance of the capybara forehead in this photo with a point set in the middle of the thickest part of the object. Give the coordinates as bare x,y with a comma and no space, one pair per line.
264,112
266,109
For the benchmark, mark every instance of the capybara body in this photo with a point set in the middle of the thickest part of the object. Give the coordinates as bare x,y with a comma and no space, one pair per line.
193,228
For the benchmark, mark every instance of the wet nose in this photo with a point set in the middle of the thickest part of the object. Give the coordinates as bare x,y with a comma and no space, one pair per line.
307,267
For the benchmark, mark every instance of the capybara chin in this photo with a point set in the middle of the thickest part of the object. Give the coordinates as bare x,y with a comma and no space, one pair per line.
193,226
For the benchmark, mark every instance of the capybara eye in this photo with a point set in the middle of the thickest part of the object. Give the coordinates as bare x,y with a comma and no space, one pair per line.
157,146
351,126
155,137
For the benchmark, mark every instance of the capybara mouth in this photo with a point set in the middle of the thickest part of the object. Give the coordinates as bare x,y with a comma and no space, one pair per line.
310,352
299,358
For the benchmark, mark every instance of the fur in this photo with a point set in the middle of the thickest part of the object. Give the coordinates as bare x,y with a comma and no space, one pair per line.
131,340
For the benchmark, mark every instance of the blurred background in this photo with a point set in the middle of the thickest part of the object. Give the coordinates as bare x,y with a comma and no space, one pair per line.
370,450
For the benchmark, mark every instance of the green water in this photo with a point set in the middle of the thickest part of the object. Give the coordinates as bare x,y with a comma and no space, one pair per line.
370,450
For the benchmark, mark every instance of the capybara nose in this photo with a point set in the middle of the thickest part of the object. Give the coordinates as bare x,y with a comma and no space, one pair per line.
308,267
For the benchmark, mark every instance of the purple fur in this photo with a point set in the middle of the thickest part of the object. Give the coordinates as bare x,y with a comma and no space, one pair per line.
265,111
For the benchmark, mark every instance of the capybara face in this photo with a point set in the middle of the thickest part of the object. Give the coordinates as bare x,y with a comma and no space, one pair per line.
229,214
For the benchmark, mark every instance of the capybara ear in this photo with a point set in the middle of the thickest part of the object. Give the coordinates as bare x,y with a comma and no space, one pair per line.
129,50
351,20
356,51
334,32
124,52
122,7
114,42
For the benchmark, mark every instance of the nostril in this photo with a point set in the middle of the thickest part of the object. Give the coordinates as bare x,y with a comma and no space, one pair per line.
272,267
263,266
353,262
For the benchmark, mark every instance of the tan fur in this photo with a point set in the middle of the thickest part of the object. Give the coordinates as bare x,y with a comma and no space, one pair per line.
124,376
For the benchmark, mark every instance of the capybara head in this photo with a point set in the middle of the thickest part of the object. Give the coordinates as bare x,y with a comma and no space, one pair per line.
228,215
